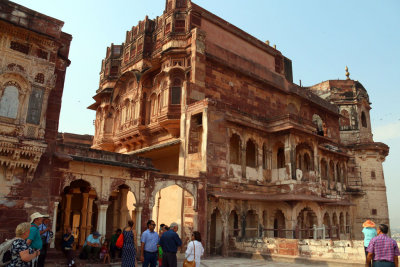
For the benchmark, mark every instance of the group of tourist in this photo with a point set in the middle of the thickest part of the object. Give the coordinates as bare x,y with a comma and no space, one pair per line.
29,247
380,250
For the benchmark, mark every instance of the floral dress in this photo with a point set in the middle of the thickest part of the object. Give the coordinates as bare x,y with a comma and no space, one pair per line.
128,250
17,246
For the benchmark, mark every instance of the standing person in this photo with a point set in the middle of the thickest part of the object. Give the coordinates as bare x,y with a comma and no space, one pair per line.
128,248
34,240
383,250
149,242
369,232
195,249
113,247
21,253
45,232
67,242
163,228
170,242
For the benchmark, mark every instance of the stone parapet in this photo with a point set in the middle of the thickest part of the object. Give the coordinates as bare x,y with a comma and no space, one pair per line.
346,250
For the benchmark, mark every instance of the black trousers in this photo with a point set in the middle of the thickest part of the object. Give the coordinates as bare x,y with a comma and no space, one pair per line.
42,256
382,264
169,259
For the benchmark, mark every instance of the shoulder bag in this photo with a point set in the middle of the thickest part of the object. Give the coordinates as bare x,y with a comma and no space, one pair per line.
192,263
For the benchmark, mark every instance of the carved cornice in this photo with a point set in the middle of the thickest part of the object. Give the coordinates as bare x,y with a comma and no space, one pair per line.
20,154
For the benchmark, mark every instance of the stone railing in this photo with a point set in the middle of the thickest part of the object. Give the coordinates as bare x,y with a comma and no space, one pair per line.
346,250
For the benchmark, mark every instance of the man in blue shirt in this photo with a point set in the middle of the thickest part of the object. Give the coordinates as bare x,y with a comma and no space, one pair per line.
149,250
34,240
91,247
170,242
45,234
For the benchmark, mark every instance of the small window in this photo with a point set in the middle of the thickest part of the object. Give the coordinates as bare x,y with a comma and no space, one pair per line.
363,120
374,212
176,95
373,176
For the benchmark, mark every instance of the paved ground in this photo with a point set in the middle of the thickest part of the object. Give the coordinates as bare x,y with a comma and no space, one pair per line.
236,262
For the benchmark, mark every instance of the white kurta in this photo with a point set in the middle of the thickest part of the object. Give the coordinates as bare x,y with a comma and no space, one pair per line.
190,252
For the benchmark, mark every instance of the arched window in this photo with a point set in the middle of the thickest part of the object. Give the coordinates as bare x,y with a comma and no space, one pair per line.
307,162
332,171
251,154
316,119
176,92
9,102
153,105
265,157
234,149
280,158
324,170
363,120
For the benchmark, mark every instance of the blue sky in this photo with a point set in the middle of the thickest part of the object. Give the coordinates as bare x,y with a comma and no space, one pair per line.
321,38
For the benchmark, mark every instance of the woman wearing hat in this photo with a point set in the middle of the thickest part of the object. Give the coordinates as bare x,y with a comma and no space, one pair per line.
369,232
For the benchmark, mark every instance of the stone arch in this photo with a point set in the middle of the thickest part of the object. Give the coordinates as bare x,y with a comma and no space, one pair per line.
324,169
306,219
307,205
235,144
327,223
279,224
251,226
122,207
332,177
335,225
183,213
78,210
233,224
279,158
216,229
364,120
251,153
189,187
341,223
177,77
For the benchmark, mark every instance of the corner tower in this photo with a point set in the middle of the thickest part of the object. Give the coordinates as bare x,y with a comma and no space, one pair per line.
366,183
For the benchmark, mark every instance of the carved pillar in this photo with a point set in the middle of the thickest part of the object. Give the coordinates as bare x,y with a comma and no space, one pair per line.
124,209
67,211
102,218
138,223
115,214
89,215
53,226
82,227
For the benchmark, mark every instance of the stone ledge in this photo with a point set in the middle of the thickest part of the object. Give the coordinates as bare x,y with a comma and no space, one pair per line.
296,259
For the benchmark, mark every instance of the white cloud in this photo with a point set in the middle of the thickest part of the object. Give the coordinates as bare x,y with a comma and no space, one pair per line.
387,132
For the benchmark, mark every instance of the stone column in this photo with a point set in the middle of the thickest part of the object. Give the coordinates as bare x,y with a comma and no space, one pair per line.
82,228
54,223
115,213
124,209
102,218
67,211
89,215
138,223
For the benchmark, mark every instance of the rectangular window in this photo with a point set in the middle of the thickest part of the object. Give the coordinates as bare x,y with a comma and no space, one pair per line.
373,176
374,212
195,133
23,48
35,106
176,95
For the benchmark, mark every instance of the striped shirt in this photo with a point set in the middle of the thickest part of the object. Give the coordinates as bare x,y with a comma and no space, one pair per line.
384,248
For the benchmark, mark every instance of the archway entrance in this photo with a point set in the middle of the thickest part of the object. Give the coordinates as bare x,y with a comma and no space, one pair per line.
175,204
120,210
216,233
77,210
279,224
305,222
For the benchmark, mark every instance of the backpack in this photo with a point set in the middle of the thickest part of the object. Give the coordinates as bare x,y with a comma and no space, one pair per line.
5,252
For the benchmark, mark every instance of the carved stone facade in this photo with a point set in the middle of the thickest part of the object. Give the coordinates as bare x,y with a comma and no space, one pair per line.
204,99
191,113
